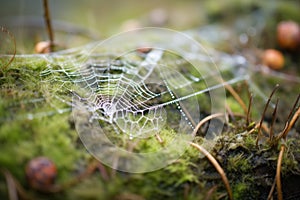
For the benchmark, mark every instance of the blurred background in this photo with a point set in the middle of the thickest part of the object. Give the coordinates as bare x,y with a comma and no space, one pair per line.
106,17
96,19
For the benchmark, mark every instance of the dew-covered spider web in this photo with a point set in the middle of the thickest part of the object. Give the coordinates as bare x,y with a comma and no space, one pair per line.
142,84
134,89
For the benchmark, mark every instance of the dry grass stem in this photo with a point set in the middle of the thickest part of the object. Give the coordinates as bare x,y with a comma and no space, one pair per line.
293,108
278,170
263,126
270,196
48,24
264,112
217,166
206,119
236,96
290,124
293,121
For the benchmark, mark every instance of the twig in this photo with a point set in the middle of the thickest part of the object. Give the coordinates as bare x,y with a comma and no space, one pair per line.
217,166
48,23
278,170
264,112
203,121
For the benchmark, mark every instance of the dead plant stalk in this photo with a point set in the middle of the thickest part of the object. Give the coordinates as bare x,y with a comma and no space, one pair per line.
209,156
278,170
217,166
48,24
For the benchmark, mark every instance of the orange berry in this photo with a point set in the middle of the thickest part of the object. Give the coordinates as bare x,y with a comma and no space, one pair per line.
273,59
288,34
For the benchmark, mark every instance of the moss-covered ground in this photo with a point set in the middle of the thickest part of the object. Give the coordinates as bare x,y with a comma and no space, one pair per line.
33,122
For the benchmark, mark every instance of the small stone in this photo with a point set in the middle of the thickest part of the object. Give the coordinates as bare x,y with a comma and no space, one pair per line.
273,59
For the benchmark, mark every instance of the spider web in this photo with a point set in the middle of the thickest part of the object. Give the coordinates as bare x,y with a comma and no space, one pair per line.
125,93
131,90
138,89
139,85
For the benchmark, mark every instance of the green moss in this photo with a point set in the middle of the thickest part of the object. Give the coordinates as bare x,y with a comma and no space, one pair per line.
234,106
90,188
31,125
240,191
238,163
289,162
